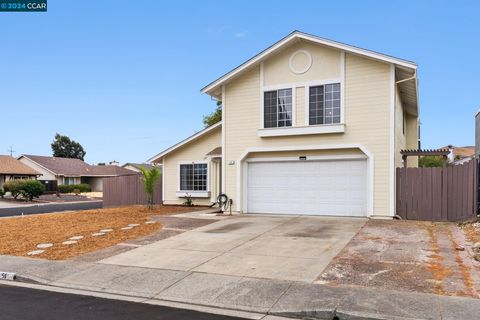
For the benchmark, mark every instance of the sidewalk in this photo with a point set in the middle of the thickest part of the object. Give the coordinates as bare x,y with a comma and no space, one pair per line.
261,296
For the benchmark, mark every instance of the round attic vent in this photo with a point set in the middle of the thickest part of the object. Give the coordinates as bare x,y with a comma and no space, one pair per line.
300,61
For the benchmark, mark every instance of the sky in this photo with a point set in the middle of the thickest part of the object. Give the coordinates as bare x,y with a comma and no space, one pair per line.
123,78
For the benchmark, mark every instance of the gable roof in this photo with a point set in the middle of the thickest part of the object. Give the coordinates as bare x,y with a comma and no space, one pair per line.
298,35
217,152
139,165
185,141
10,165
75,167
462,152
110,170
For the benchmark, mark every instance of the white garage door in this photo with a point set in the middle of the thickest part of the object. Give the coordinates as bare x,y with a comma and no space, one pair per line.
337,188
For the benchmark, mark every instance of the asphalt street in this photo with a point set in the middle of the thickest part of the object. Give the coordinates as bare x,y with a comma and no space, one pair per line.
28,304
46,208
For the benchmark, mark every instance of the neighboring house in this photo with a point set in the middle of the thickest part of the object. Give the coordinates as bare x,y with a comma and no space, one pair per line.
136,166
72,171
310,126
12,169
460,155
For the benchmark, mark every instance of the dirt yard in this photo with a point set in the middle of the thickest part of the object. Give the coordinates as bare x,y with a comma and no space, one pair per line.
408,255
20,235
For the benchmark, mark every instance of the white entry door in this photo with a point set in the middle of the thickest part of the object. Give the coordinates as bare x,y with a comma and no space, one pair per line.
335,188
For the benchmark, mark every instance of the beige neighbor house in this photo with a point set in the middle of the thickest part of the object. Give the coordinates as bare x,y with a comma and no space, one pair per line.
12,169
310,126
72,171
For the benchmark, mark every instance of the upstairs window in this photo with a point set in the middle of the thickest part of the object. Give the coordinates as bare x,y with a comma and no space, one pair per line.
277,110
324,104
193,177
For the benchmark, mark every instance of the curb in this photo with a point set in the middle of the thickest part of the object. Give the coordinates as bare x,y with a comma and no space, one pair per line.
150,301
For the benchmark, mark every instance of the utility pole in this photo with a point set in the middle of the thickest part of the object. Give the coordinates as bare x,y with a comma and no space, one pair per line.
11,151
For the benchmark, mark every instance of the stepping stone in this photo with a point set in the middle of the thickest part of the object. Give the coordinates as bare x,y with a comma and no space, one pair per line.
133,225
35,252
126,228
106,230
44,245
69,242
98,234
150,222
76,238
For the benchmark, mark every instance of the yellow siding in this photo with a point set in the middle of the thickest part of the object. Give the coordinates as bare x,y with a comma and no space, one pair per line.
412,137
367,118
400,140
193,151
325,65
300,106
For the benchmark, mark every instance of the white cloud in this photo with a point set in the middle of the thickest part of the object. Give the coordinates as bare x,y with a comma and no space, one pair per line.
242,34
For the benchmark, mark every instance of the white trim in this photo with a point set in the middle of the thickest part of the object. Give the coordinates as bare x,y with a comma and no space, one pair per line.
163,180
300,35
304,130
183,142
342,86
392,141
193,162
301,84
241,168
262,99
24,156
309,158
306,68
322,83
276,88
193,194
224,160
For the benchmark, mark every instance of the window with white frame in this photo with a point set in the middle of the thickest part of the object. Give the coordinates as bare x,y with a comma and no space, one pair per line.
193,177
277,108
68,180
324,104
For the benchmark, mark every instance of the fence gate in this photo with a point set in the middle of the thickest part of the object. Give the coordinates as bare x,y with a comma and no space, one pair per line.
128,190
438,194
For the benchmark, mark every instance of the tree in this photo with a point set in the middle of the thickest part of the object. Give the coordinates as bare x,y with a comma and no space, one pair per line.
63,147
150,177
214,117
431,161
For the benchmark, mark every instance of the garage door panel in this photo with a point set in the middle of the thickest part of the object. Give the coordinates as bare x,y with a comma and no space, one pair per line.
307,187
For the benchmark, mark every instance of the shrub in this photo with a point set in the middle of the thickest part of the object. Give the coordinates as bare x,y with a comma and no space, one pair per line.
28,189
70,188
32,189
2,192
14,187
65,188
431,162
83,187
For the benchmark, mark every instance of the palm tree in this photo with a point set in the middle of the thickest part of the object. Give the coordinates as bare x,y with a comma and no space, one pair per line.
150,177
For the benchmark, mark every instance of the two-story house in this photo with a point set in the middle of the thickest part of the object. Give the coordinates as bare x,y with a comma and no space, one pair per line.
309,126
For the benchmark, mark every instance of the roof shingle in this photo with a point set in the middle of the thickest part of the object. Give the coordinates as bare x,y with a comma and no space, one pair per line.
77,167
10,165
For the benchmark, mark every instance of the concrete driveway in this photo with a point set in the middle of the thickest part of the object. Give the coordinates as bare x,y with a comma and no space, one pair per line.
296,248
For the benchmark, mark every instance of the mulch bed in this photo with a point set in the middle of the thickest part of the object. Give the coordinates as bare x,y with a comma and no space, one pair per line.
20,235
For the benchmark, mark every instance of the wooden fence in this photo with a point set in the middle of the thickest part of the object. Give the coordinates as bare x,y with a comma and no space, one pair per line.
438,194
128,190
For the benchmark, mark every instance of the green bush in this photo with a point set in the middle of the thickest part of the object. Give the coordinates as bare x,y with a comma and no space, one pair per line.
83,187
2,192
28,189
14,187
69,188
65,188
